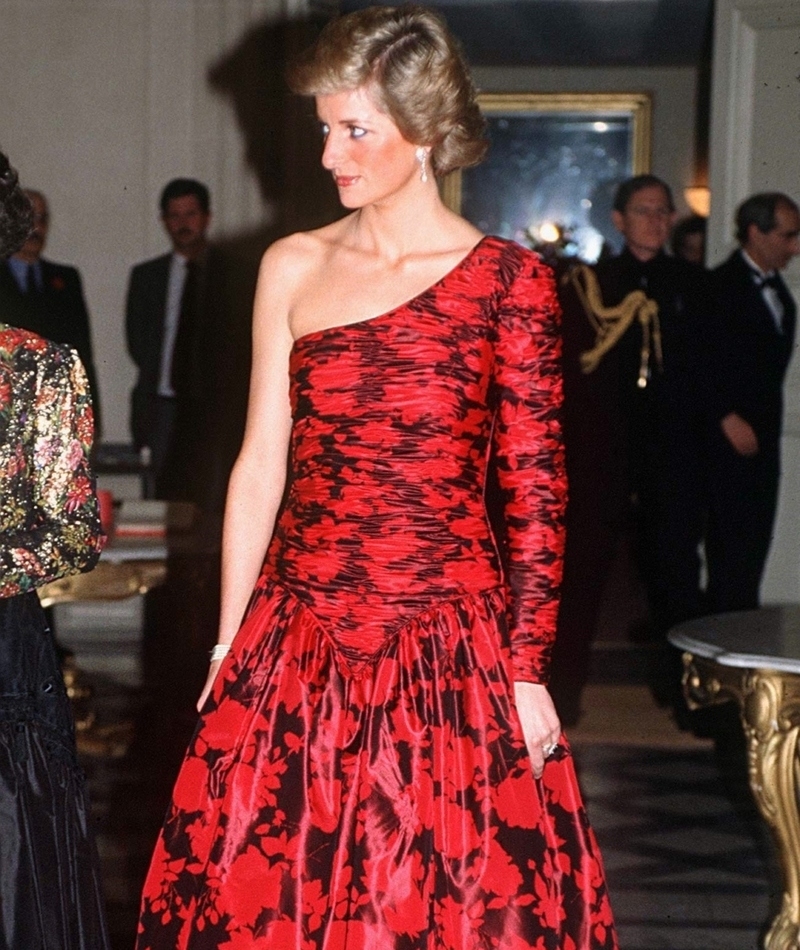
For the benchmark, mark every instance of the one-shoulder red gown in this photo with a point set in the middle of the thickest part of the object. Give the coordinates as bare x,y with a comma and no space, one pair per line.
358,779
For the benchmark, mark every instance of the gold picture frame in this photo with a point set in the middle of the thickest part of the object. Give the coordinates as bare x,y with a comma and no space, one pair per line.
557,151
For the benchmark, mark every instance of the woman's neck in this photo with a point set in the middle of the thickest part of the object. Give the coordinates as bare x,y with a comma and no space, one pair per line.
398,229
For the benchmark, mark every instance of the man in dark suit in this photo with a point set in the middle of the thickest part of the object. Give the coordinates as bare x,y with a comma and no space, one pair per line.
153,315
190,342
659,398
633,437
47,298
751,336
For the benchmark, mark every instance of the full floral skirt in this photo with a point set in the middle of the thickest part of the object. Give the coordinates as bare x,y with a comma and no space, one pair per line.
334,801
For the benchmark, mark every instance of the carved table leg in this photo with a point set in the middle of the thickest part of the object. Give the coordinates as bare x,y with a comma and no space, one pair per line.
770,707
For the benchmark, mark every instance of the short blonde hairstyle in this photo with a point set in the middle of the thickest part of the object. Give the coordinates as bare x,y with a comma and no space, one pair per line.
416,71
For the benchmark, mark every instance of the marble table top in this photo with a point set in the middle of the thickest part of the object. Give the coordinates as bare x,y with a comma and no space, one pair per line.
767,638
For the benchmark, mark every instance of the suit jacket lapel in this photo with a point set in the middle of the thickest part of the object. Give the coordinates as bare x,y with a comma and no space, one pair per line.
48,285
17,308
786,299
160,289
755,298
8,283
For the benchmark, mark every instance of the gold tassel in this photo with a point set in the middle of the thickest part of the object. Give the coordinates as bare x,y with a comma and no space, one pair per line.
610,323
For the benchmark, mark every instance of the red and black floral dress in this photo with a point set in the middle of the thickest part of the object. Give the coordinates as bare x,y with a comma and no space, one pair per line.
359,779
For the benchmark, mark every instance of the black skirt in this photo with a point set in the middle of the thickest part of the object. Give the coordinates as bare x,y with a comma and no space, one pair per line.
50,895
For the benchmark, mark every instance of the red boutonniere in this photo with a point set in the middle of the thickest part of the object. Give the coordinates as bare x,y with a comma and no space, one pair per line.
57,283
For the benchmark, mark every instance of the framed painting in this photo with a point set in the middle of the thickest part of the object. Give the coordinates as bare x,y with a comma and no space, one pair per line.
554,163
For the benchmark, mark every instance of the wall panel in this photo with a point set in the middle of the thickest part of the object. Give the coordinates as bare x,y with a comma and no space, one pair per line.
103,102
755,142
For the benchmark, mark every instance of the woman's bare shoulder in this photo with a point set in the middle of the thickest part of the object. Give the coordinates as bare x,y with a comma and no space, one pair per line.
290,258
296,257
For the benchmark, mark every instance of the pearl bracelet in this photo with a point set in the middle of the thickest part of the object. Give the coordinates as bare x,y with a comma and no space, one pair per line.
219,652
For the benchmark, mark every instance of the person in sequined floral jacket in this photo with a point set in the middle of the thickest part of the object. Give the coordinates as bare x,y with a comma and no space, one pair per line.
50,893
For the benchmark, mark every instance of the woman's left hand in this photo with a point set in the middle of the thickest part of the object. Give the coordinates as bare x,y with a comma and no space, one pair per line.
540,724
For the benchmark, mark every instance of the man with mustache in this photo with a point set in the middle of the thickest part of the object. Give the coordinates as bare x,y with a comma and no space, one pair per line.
47,298
164,325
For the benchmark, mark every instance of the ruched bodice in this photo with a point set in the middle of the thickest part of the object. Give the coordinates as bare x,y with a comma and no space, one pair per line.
393,419
359,779
386,513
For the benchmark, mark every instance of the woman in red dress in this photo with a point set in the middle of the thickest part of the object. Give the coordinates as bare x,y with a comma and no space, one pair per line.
378,764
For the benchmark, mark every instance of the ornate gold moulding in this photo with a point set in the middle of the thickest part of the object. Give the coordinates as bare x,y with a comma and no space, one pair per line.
716,671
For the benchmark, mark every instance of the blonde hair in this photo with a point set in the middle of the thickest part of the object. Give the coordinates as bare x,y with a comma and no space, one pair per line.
416,71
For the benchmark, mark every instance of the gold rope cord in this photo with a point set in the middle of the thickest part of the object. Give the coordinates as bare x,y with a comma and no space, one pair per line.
610,323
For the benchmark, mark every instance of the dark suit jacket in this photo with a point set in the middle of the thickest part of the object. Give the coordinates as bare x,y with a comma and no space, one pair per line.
662,421
681,292
144,328
58,313
211,409
748,354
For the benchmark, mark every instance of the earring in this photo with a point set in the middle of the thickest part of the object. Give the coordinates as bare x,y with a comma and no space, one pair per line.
422,158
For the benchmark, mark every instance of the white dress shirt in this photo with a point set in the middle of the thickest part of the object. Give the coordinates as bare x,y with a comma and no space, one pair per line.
177,279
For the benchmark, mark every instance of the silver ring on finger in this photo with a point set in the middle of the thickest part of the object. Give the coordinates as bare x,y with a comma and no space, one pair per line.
548,750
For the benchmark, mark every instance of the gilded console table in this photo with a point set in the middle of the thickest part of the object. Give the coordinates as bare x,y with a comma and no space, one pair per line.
135,559
127,568
110,580
753,658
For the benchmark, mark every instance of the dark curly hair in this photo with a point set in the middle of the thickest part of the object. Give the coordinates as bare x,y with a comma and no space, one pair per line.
414,65
16,214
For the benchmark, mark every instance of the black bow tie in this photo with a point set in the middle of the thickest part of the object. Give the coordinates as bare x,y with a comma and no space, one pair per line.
767,280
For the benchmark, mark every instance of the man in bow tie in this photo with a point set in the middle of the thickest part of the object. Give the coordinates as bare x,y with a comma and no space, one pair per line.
47,298
751,336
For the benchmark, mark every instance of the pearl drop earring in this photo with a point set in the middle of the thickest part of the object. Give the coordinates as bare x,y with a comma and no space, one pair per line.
422,158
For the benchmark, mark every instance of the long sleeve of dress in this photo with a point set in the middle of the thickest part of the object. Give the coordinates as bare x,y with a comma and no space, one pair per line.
529,458
50,521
